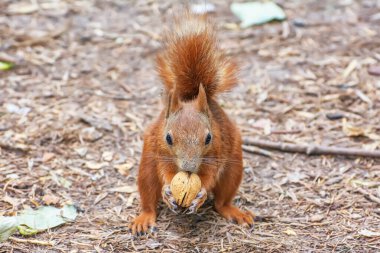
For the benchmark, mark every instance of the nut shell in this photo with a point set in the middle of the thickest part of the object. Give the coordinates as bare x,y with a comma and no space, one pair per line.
185,187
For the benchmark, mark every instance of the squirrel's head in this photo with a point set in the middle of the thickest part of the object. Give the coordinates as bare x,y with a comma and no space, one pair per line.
188,134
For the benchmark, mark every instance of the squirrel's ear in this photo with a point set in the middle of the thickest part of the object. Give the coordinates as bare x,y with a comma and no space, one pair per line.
172,103
202,100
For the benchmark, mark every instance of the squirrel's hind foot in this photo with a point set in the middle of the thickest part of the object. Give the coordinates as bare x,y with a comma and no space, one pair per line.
143,224
234,214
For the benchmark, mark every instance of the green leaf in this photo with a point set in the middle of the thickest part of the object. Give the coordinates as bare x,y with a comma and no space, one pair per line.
24,230
256,13
8,225
30,222
47,217
5,65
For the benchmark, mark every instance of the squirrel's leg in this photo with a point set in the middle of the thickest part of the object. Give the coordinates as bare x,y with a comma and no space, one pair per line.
150,192
225,191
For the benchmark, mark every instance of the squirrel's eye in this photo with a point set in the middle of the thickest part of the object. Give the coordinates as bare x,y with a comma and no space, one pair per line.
169,139
208,139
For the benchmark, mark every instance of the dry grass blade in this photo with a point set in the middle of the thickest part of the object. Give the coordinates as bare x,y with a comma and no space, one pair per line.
37,242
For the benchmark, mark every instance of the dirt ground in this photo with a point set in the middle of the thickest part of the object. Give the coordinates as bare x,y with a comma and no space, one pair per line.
73,110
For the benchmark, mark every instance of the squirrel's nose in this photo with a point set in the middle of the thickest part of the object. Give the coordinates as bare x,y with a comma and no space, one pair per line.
190,166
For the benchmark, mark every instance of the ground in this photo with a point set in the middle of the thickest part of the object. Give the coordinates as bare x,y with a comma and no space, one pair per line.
74,107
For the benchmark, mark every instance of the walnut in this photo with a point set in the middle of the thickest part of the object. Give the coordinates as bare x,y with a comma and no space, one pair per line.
185,187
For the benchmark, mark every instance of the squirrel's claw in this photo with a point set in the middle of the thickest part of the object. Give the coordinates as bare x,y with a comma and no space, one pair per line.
141,225
197,202
168,198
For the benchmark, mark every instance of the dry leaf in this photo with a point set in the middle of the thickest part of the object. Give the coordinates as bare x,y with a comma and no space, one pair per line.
202,8
371,146
351,130
289,231
95,166
81,151
90,134
231,26
153,244
96,122
355,216
292,195
357,182
60,180
107,156
130,199
317,217
13,201
125,189
124,168
22,8
265,124
100,197
50,199
47,157
118,210
368,233
364,97
295,176
351,67
12,108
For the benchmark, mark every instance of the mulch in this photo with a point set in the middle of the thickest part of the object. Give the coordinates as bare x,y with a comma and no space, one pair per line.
74,107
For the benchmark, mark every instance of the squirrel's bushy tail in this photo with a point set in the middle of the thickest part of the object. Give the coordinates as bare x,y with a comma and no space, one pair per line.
192,57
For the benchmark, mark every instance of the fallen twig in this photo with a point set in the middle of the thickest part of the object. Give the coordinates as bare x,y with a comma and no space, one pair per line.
256,150
368,195
14,147
40,40
38,242
312,149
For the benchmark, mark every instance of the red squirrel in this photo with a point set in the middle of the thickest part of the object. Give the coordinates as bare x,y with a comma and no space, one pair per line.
192,133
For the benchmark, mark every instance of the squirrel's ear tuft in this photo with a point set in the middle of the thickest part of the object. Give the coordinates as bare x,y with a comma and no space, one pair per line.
166,97
172,103
202,100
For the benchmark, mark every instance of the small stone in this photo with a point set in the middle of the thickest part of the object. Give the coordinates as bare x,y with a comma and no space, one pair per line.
91,134
299,22
374,70
334,115
317,217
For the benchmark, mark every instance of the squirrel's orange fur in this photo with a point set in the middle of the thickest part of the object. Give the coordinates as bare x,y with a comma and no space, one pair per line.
192,133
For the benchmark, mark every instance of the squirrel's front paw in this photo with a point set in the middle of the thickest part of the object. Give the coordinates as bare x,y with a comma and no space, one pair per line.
168,198
198,201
